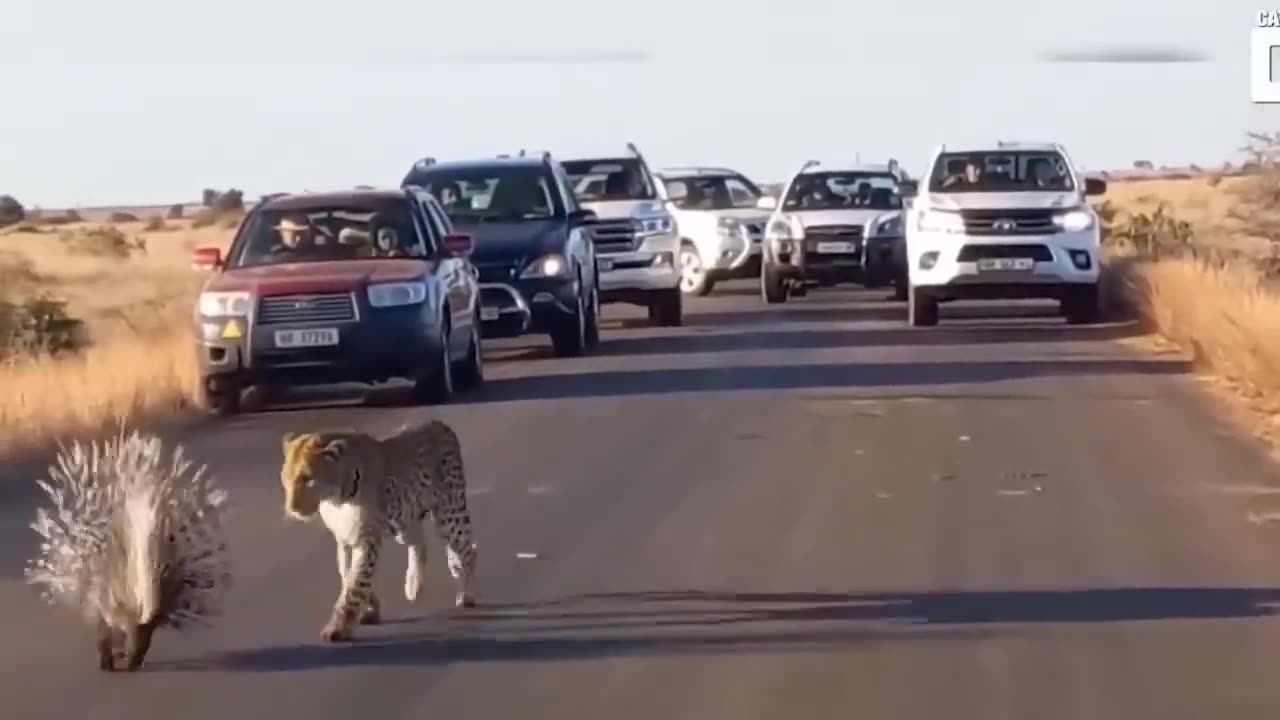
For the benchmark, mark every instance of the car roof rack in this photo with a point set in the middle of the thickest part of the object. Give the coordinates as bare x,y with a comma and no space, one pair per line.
698,170
425,162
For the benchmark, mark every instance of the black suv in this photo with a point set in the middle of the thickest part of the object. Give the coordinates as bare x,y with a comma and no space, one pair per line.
533,249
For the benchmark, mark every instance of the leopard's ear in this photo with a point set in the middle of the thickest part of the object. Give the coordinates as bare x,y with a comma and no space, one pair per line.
288,440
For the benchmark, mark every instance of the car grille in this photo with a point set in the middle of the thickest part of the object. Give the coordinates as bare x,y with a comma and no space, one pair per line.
496,273
974,253
613,236
1026,222
842,233
327,307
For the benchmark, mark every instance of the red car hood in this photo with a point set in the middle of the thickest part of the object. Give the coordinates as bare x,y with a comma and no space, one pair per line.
317,277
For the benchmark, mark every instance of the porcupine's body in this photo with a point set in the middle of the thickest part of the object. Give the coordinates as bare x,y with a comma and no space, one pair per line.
366,488
132,541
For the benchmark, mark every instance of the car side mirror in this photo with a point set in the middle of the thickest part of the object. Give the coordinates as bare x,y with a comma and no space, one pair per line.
206,259
583,217
458,244
908,188
1095,186
767,202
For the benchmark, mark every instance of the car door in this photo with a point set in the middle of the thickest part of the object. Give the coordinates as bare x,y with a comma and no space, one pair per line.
579,246
460,275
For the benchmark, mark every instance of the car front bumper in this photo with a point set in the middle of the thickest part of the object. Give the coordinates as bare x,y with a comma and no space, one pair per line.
952,262
736,255
525,306
380,344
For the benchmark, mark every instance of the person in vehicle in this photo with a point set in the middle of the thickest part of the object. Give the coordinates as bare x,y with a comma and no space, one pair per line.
294,232
962,172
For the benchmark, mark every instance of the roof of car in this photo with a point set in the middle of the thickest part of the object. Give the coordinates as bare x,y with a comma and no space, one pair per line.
847,166
696,170
306,200
480,162
998,145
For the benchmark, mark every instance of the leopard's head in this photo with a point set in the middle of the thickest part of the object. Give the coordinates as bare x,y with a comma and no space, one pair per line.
317,467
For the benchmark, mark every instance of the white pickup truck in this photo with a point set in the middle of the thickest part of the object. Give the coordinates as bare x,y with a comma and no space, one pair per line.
720,224
636,238
1004,221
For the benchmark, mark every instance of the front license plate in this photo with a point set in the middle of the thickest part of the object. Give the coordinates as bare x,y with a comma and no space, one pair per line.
488,312
832,248
1006,264
605,264
310,337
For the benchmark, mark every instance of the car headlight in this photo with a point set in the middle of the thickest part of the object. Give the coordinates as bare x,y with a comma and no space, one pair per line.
547,266
938,221
395,294
215,304
892,226
728,227
780,229
654,225
1074,220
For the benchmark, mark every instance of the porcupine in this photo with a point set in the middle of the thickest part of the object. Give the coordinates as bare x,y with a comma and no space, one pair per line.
133,541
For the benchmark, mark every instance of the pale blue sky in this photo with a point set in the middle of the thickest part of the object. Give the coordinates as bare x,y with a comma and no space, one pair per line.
140,101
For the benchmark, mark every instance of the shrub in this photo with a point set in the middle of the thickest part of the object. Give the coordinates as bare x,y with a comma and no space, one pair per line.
175,212
122,217
11,211
155,223
38,326
98,242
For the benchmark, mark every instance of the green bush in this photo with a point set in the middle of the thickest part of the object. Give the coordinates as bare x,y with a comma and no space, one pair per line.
38,326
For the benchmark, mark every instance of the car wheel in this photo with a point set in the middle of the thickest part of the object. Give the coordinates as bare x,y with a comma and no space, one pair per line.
221,396
569,337
771,288
471,373
693,274
900,289
593,318
1081,305
436,387
666,308
922,308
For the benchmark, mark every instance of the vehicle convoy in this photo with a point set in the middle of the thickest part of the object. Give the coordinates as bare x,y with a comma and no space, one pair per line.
837,223
354,286
636,238
720,225
533,250
1004,221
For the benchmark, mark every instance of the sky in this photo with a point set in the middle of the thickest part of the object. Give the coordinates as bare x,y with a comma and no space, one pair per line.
149,101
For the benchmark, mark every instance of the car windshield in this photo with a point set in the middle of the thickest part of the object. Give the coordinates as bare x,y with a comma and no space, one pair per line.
1001,171
327,233
621,179
844,191
713,192
489,194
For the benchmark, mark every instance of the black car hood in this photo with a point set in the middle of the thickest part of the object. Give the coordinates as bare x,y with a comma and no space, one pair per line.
513,243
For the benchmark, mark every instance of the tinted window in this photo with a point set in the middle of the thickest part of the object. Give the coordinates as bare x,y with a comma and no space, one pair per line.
326,233
844,191
713,192
477,194
621,179
1001,172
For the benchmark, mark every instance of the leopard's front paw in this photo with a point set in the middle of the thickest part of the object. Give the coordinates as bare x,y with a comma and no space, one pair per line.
338,630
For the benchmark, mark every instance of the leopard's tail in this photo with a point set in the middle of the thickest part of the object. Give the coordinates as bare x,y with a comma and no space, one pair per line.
132,535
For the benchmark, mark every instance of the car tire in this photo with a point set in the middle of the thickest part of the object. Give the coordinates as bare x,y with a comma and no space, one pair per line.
221,396
693,273
1081,305
922,308
772,291
470,372
436,386
900,290
666,308
569,335
593,317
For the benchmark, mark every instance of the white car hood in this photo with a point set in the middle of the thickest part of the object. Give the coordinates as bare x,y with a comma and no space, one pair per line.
746,215
811,218
999,201
620,209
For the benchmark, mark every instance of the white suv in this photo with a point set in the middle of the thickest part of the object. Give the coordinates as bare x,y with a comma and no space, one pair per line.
636,238
720,225
1004,221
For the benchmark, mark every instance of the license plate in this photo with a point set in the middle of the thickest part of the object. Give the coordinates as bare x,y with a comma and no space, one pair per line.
488,313
1006,264
605,264
310,337
831,248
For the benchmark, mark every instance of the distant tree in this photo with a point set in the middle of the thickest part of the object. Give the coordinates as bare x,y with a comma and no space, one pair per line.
1143,165
11,211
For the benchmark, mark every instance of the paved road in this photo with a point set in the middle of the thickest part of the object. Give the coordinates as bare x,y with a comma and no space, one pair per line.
809,512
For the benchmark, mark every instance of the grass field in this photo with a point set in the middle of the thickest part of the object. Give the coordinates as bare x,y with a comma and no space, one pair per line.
131,286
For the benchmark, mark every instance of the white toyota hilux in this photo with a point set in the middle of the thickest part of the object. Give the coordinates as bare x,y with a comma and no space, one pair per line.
636,238
1003,221
720,224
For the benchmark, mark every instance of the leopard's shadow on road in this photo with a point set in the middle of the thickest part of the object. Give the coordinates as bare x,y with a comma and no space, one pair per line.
692,622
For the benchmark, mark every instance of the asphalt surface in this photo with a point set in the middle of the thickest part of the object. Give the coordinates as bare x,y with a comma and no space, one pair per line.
810,511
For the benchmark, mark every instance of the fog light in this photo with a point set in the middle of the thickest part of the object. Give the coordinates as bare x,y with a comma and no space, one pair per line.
928,260
211,331
543,297
1081,259
660,259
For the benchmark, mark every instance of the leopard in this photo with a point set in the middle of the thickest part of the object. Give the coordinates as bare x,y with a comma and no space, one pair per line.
366,488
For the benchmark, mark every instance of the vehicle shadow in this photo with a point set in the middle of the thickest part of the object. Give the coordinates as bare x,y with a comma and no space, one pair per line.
863,310
618,383
692,622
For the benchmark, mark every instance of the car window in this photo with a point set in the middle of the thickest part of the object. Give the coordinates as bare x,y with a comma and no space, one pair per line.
329,233
713,192
497,193
1001,171
620,179
844,191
